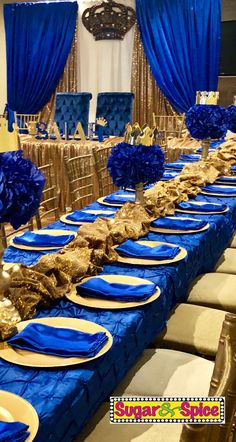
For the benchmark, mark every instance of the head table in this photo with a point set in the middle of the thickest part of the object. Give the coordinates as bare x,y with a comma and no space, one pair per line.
65,399
42,152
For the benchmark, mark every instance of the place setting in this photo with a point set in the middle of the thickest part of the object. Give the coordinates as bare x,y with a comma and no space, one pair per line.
201,208
114,292
190,157
56,342
19,421
80,217
117,199
178,165
219,190
45,239
178,225
147,253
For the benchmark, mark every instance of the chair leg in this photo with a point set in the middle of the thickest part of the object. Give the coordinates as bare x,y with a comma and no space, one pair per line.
38,220
3,236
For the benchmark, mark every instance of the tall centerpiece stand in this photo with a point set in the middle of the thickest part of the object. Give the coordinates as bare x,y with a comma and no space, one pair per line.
136,162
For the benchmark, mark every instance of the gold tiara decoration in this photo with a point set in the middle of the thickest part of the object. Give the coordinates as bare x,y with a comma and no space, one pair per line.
135,135
207,97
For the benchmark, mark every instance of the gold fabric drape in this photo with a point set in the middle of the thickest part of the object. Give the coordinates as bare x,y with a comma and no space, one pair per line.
148,97
68,82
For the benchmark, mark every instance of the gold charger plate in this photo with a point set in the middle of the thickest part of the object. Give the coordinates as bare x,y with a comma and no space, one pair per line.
101,201
64,218
51,232
220,194
182,232
145,262
109,304
31,359
14,408
196,212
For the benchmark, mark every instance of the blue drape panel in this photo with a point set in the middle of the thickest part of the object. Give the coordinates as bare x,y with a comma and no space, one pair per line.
38,41
181,39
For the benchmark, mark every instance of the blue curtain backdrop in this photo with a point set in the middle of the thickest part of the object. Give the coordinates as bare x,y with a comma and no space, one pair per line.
181,39
38,42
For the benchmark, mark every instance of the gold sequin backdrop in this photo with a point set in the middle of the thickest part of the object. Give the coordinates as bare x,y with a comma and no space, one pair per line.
68,82
148,97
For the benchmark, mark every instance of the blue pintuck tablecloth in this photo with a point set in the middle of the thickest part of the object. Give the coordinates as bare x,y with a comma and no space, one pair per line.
66,399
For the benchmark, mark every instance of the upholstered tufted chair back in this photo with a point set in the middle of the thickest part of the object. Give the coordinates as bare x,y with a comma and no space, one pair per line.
72,108
116,108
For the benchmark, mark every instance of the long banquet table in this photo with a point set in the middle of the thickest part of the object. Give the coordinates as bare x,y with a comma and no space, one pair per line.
65,399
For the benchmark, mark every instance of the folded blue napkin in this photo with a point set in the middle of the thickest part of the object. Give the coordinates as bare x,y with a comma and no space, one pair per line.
206,207
190,157
119,198
227,179
233,168
133,249
221,190
101,289
177,165
81,216
44,240
13,432
168,175
175,223
64,342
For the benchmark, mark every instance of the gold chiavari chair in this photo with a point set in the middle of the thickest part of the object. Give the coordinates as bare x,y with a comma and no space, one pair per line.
50,198
80,176
169,125
6,231
23,120
105,182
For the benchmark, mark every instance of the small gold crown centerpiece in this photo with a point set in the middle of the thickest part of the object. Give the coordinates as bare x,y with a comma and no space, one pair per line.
109,20
136,162
207,97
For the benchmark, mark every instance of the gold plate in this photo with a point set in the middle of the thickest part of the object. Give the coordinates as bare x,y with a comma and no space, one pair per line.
16,409
101,201
52,232
31,359
145,262
220,194
107,303
78,223
196,212
160,230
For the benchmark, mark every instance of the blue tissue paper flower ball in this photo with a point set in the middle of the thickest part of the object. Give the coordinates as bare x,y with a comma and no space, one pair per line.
130,165
206,121
21,186
231,118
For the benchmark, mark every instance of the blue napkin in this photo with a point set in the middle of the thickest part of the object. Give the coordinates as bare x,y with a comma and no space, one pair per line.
44,240
133,249
13,432
233,168
119,198
168,175
179,224
101,289
81,216
177,165
221,190
64,342
190,157
227,179
206,207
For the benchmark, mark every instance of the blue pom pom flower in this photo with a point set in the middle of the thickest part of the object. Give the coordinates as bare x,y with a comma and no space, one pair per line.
231,118
206,121
130,165
21,186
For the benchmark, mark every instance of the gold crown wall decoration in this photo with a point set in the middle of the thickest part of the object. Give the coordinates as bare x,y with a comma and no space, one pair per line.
136,135
109,20
207,97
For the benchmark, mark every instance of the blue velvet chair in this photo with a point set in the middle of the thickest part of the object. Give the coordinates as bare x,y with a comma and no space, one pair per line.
72,108
116,108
